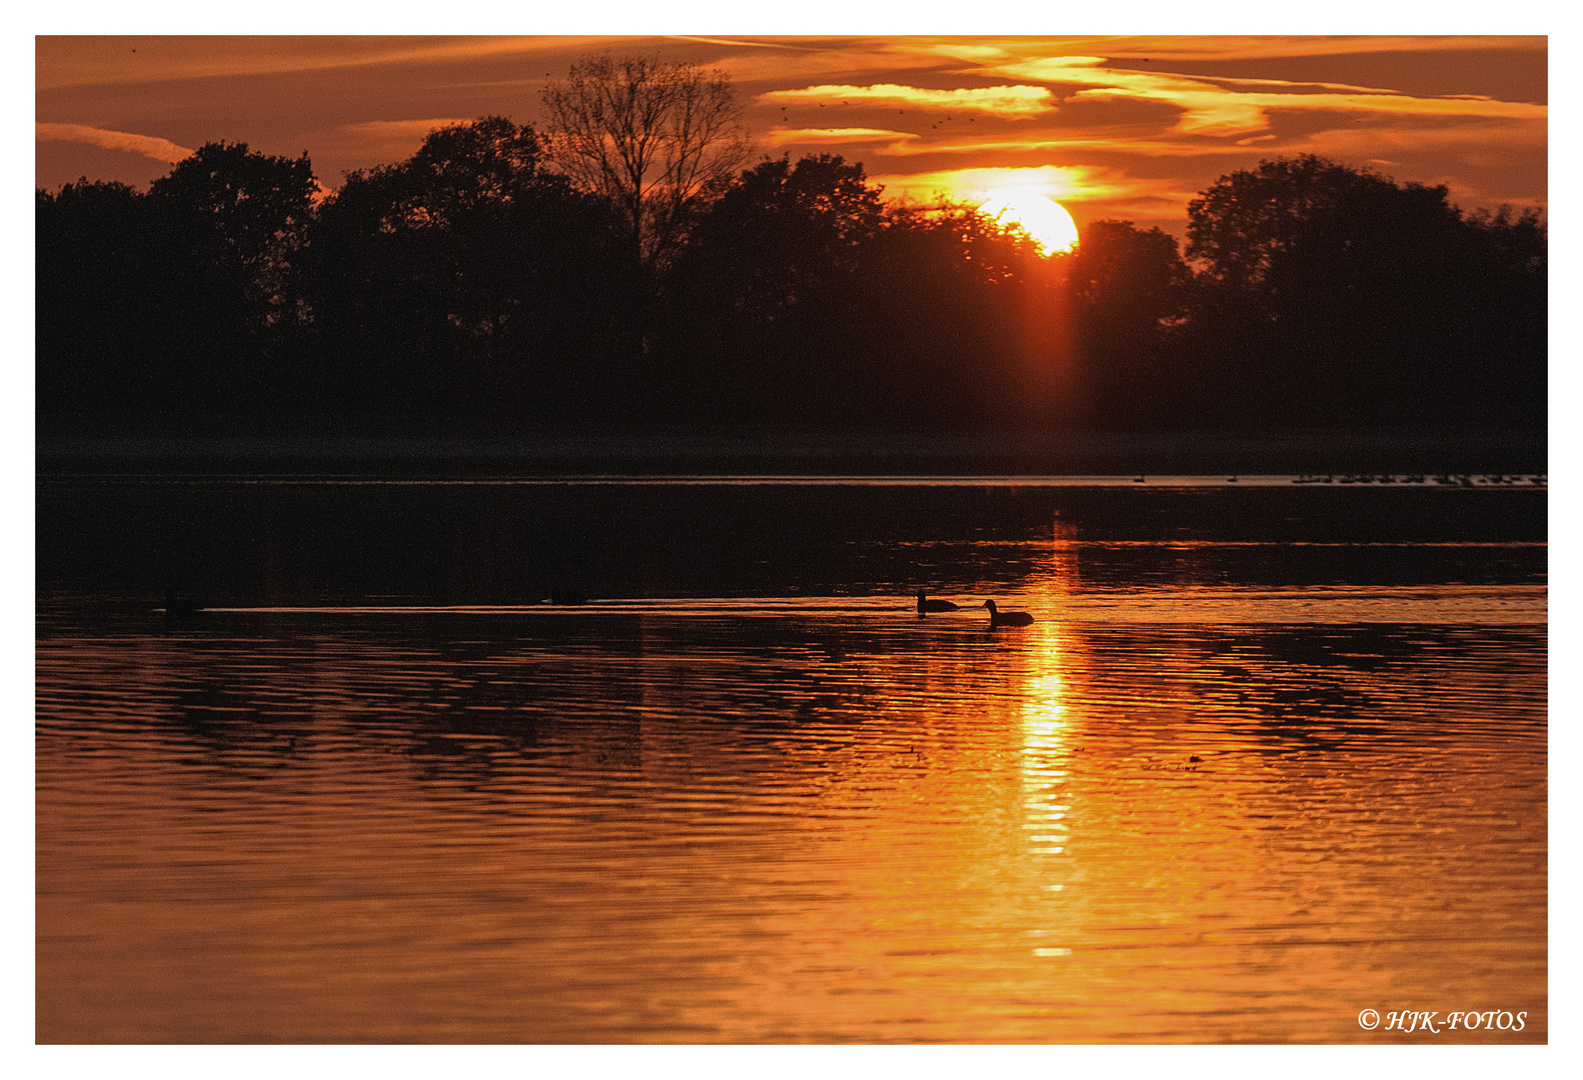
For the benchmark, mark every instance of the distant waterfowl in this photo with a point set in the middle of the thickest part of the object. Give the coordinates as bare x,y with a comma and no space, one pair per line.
926,605
1006,618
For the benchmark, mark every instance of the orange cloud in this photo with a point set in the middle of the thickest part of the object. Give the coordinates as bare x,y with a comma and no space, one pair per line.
795,136
842,62
148,145
1205,47
1213,115
1349,142
985,53
1208,109
1063,183
1119,144
1229,81
737,42
85,61
1007,102
1487,145
1263,48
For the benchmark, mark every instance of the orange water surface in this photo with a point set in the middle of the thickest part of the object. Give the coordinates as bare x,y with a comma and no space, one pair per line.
1164,814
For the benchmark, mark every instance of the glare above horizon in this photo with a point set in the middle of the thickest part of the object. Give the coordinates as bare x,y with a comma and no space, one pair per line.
1044,219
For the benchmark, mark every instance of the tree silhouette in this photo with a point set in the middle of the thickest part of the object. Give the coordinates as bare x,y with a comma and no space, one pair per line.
466,278
100,300
246,213
768,281
175,302
653,138
1129,290
1507,272
1332,294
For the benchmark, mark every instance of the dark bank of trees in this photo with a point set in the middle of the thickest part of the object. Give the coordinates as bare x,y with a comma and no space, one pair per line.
801,294
466,283
490,281
181,300
1334,292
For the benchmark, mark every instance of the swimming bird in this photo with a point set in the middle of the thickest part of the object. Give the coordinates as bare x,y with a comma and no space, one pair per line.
925,605
1009,618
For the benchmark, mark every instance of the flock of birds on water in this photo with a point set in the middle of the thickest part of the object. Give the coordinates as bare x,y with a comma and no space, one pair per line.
1445,479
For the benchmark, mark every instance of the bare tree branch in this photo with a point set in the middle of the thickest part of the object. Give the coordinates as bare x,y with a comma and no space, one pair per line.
656,139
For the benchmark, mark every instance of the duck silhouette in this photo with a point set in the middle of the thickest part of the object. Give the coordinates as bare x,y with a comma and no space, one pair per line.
926,605
1007,618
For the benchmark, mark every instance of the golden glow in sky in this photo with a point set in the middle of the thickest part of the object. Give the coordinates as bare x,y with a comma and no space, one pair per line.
1123,127
1044,219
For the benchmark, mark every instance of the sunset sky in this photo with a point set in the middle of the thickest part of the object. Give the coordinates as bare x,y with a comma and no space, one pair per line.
1126,127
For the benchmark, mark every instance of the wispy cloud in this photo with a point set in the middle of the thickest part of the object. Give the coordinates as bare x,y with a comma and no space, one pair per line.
401,129
1209,109
1220,47
149,146
1075,183
842,61
981,53
66,61
1007,102
1287,47
739,43
1484,144
815,136
1117,144
1487,145
1230,81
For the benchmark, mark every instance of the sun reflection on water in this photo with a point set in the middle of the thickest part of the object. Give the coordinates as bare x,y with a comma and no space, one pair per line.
1046,749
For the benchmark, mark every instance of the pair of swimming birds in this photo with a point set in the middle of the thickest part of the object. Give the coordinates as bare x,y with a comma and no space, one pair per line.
996,618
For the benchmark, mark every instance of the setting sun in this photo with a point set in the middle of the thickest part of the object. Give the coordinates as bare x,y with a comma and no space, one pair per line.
1045,219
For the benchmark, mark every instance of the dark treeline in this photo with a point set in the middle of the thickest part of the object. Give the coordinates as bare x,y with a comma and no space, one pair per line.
477,286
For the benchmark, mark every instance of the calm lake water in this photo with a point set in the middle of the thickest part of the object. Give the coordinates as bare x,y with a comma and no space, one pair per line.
1269,756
